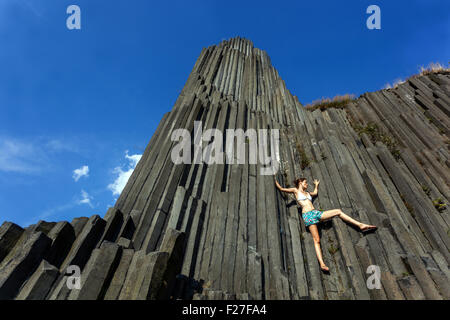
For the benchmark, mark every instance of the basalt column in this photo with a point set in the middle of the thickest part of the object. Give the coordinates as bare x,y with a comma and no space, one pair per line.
236,225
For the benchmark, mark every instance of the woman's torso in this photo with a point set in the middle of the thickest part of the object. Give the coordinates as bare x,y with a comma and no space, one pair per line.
305,203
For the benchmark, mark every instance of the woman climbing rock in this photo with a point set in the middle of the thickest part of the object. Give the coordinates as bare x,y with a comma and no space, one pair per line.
312,217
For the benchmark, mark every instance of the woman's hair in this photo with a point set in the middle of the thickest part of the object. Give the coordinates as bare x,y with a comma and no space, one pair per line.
298,181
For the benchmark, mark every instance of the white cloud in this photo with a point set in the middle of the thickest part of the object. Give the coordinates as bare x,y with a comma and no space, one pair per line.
20,156
50,212
57,145
134,159
76,201
397,82
81,172
9,8
85,198
123,174
33,155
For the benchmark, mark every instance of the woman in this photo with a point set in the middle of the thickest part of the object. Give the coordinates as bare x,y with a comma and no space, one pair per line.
312,217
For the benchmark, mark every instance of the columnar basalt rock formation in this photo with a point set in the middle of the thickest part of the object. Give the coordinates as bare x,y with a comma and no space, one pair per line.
223,231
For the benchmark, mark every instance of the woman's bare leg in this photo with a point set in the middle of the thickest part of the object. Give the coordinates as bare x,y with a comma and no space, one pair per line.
315,234
328,214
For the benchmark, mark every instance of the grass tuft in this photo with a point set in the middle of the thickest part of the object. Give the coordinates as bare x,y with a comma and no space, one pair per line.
407,205
433,67
439,204
332,249
375,134
426,189
335,102
304,160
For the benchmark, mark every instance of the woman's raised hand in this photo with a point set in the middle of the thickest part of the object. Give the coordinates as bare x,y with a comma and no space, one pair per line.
316,182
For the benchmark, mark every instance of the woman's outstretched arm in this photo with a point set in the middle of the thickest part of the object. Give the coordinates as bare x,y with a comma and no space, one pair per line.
288,190
316,189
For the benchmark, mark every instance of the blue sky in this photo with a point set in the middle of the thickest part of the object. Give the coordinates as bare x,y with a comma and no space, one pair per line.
90,99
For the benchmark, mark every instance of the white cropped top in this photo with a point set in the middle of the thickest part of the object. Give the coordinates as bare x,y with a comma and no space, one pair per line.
301,196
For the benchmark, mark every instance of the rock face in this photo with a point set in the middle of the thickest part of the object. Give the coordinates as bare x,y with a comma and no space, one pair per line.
223,231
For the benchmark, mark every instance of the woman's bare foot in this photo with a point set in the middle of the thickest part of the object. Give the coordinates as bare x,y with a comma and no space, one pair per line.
367,227
324,268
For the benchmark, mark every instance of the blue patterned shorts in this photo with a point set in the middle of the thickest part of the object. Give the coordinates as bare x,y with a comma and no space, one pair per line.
312,217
